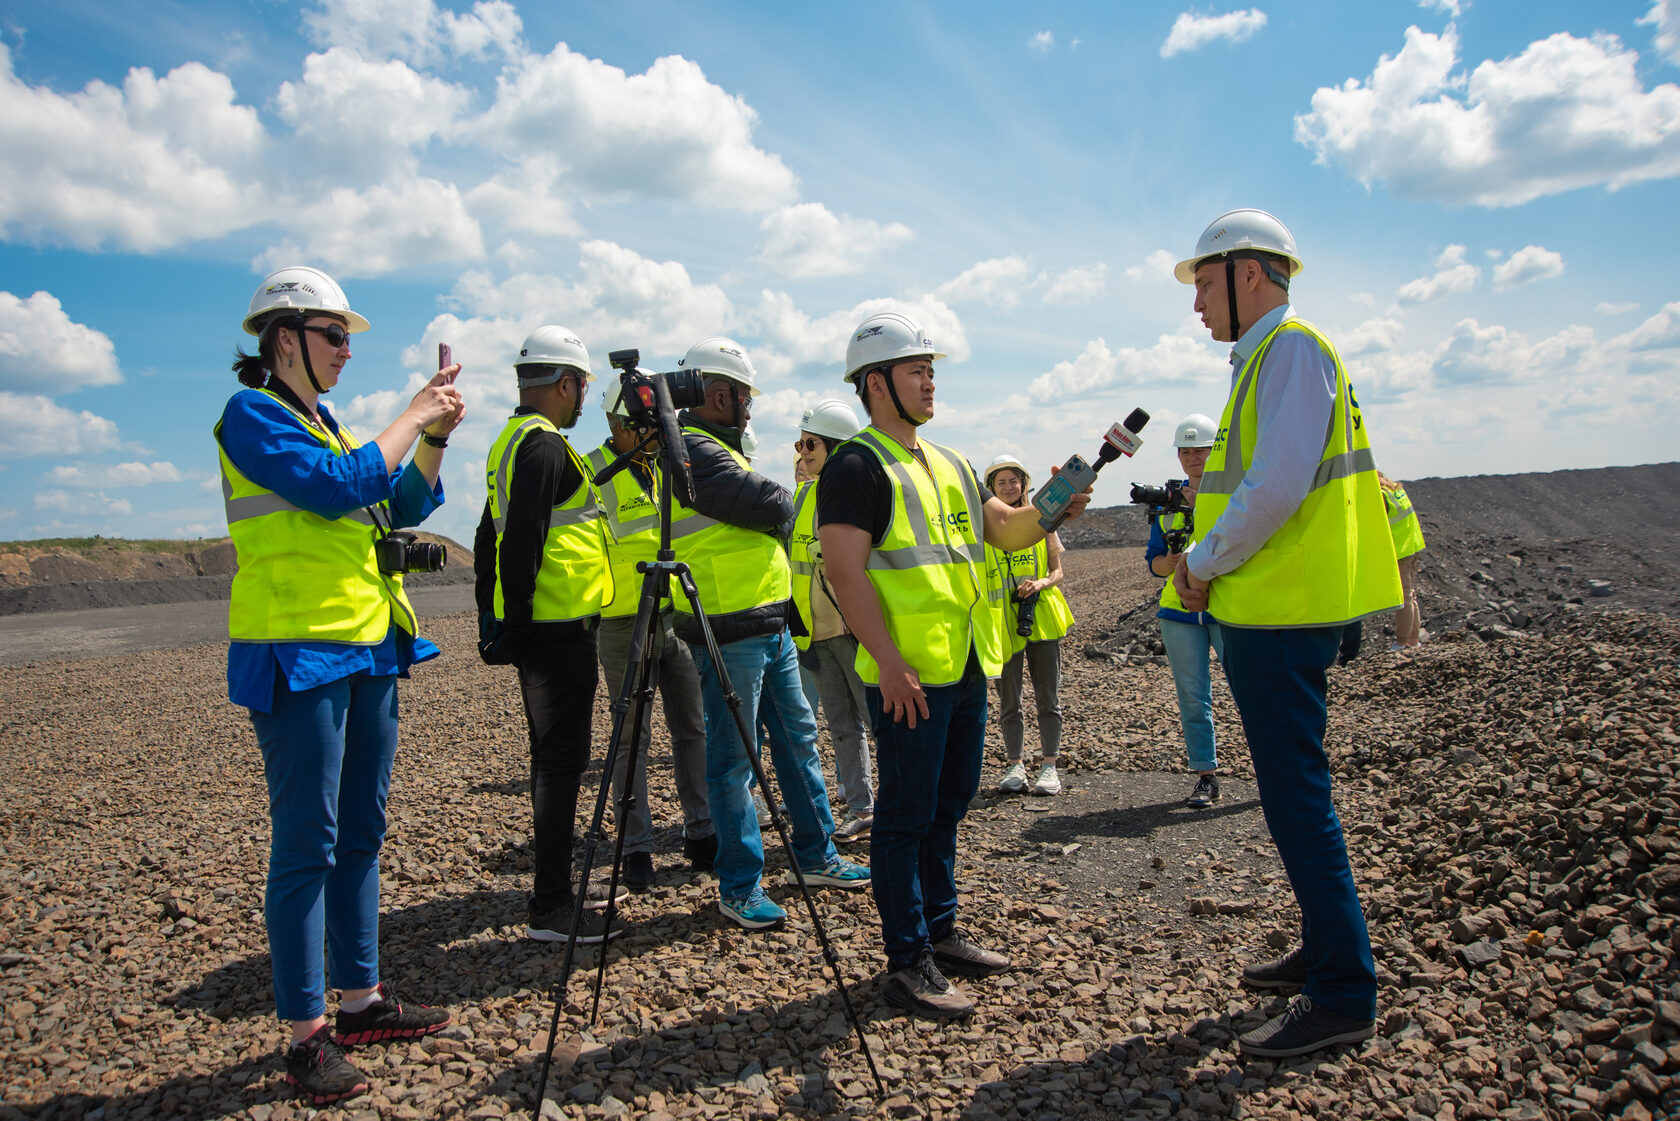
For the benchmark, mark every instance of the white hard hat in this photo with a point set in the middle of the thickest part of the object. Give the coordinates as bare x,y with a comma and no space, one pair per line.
553,346
833,419
1195,431
1241,232
612,401
1007,460
885,338
302,289
722,357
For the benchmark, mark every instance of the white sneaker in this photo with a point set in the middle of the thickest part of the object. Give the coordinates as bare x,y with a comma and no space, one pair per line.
1049,782
1014,779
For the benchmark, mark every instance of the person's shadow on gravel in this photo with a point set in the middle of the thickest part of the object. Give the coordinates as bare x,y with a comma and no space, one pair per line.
1129,822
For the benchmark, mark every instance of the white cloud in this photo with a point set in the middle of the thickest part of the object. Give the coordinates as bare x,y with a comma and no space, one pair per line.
1156,267
1528,264
808,240
43,350
155,163
1665,17
1175,360
1453,8
368,233
1660,332
1607,308
91,475
366,118
1077,285
666,133
1041,41
1192,32
997,283
34,425
415,29
1565,113
526,200
1455,277
83,504
1374,336
1497,355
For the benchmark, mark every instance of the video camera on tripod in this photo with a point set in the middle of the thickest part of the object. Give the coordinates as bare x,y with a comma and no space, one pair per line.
1161,503
651,401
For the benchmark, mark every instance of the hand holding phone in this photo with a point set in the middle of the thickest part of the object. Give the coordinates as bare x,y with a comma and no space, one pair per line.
445,360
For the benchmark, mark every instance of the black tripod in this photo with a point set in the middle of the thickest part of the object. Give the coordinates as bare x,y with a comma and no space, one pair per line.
634,700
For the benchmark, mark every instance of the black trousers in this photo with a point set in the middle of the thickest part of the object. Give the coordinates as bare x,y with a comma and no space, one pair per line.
557,674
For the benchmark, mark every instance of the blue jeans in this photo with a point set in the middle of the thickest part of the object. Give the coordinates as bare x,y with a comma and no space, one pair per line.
1278,680
765,673
926,777
327,756
1187,653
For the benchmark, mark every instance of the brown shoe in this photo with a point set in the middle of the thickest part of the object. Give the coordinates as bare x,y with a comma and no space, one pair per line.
957,955
924,991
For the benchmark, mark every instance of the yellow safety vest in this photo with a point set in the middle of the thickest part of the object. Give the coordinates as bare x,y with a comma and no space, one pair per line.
1403,522
631,515
573,580
302,577
735,569
928,569
1053,618
1332,562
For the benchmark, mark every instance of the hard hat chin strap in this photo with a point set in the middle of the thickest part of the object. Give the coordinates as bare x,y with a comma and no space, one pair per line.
892,391
1231,297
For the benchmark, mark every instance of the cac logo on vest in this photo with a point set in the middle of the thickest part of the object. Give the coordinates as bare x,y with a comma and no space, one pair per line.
959,522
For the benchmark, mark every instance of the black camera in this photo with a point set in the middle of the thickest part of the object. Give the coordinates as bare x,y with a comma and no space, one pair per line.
1026,613
401,551
641,402
1164,501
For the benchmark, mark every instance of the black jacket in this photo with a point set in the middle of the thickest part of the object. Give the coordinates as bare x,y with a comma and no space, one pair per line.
726,492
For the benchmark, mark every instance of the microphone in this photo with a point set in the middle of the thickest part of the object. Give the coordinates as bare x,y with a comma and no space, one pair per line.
1054,497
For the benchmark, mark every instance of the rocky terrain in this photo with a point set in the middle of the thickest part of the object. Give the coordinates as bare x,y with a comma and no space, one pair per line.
1508,790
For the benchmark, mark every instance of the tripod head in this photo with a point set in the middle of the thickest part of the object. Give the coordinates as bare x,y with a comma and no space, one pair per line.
652,401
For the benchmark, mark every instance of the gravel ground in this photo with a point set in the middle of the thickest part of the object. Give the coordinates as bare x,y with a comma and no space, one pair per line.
1509,802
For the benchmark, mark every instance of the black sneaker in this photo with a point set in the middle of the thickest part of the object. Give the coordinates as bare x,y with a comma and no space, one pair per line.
1205,794
556,925
318,1068
388,1018
924,991
637,873
1302,1028
596,898
1287,972
957,955
700,852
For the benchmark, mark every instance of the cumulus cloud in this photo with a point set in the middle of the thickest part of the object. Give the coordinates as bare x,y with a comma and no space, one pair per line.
1665,17
1158,266
33,425
366,118
1455,277
808,240
82,504
1565,113
1177,359
1453,8
1374,336
1041,41
528,199
415,30
93,475
1078,284
1525,266
997,283
1607,308
668,133
154,163
368,233
43,350
1192,32
1660,332
1497,355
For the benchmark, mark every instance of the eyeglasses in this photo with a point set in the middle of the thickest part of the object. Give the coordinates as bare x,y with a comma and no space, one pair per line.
809,444
335,335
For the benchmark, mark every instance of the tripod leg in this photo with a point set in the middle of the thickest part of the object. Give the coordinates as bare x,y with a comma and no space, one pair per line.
749,743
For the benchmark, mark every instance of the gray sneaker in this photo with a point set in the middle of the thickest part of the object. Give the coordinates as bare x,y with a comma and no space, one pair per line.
1205,794
957,955
854,828
1287,972
1014,779
923,991
1302,1028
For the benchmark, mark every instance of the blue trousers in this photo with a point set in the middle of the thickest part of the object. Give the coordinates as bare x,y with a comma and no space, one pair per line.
925,777
1187,653
1277,678
327,755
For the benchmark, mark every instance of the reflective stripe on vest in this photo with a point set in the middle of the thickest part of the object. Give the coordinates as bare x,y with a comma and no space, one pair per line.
573,579
1403,525
1052,619
1332,561
302,577
928,569
735,569
631,516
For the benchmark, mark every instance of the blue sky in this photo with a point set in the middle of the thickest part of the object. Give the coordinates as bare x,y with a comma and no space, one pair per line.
1481,192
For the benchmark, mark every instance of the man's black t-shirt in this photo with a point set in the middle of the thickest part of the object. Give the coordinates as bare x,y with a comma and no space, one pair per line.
853,489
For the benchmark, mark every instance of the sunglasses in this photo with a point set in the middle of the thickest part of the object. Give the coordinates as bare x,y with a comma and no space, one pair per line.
809,444
335,335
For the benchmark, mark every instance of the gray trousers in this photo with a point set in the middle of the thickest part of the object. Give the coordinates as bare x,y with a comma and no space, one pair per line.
834,662
1044,661
685,717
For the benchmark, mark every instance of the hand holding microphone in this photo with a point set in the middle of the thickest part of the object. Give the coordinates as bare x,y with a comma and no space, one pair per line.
1055,499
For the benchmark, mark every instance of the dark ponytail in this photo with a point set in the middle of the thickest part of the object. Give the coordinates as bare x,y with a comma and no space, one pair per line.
253,369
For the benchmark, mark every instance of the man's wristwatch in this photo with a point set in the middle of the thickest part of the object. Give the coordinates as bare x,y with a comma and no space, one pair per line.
435,441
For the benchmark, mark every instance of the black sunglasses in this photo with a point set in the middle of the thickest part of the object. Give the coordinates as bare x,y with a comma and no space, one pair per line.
809,444
335,335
